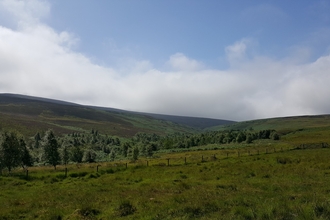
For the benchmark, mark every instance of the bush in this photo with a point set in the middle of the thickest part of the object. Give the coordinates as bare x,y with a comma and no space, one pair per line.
88,212
126,208
80,174
110,171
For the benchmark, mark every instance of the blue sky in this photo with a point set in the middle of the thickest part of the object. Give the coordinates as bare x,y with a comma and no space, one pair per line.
236,60
154,30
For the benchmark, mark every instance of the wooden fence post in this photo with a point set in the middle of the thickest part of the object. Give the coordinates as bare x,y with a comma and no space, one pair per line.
168,162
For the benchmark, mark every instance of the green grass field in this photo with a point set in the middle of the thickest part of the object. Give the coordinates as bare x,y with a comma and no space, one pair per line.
279,184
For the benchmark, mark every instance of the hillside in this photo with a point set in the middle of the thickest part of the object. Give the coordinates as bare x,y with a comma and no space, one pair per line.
32,114
283,125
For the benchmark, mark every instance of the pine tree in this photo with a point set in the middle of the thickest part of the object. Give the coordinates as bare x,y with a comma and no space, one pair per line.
51,149
26,158
11,150
65,155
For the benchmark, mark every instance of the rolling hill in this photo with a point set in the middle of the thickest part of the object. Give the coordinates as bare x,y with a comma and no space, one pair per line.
29,115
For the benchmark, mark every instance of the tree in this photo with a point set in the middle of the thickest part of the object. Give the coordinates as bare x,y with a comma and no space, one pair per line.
65,155
37,140
135,153
240,137
51,146
11,150
26,158
89,156
77,154
125,148
112,155
249,139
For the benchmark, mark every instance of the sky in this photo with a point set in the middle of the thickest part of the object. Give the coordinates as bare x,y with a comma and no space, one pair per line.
236,60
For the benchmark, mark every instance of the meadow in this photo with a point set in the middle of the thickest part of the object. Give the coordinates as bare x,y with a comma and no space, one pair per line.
257,181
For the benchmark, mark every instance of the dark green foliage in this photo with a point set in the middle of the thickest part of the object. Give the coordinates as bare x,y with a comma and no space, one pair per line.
240,137
37,140
26,159
80,174
112,155
249,139
89,156
65,155
88,212
13,151
77,154
135,153
185,140
125,148
51,149
125,208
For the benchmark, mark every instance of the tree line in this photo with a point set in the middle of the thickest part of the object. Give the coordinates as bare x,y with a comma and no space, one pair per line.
46,148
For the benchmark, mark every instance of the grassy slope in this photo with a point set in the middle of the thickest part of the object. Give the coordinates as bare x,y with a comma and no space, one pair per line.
33,116
292,184
283,125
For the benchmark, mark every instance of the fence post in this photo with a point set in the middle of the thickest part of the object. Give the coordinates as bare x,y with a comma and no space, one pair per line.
126,165
147,163
168,162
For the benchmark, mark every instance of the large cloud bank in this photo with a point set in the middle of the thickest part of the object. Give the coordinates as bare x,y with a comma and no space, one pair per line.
37,60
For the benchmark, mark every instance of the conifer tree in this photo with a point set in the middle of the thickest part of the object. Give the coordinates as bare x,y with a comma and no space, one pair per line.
51,149
13,151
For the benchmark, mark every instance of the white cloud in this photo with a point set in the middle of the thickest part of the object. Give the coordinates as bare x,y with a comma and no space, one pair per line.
179,61
26,12
39,61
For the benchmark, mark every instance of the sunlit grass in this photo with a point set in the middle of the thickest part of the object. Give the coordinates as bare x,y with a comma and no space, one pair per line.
275,185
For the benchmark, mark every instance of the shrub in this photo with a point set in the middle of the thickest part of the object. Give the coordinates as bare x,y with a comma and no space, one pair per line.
88,212
126,208
110,171
80,174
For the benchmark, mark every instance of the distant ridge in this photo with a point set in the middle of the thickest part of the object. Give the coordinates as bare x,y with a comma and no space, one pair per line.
10,96
193,122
